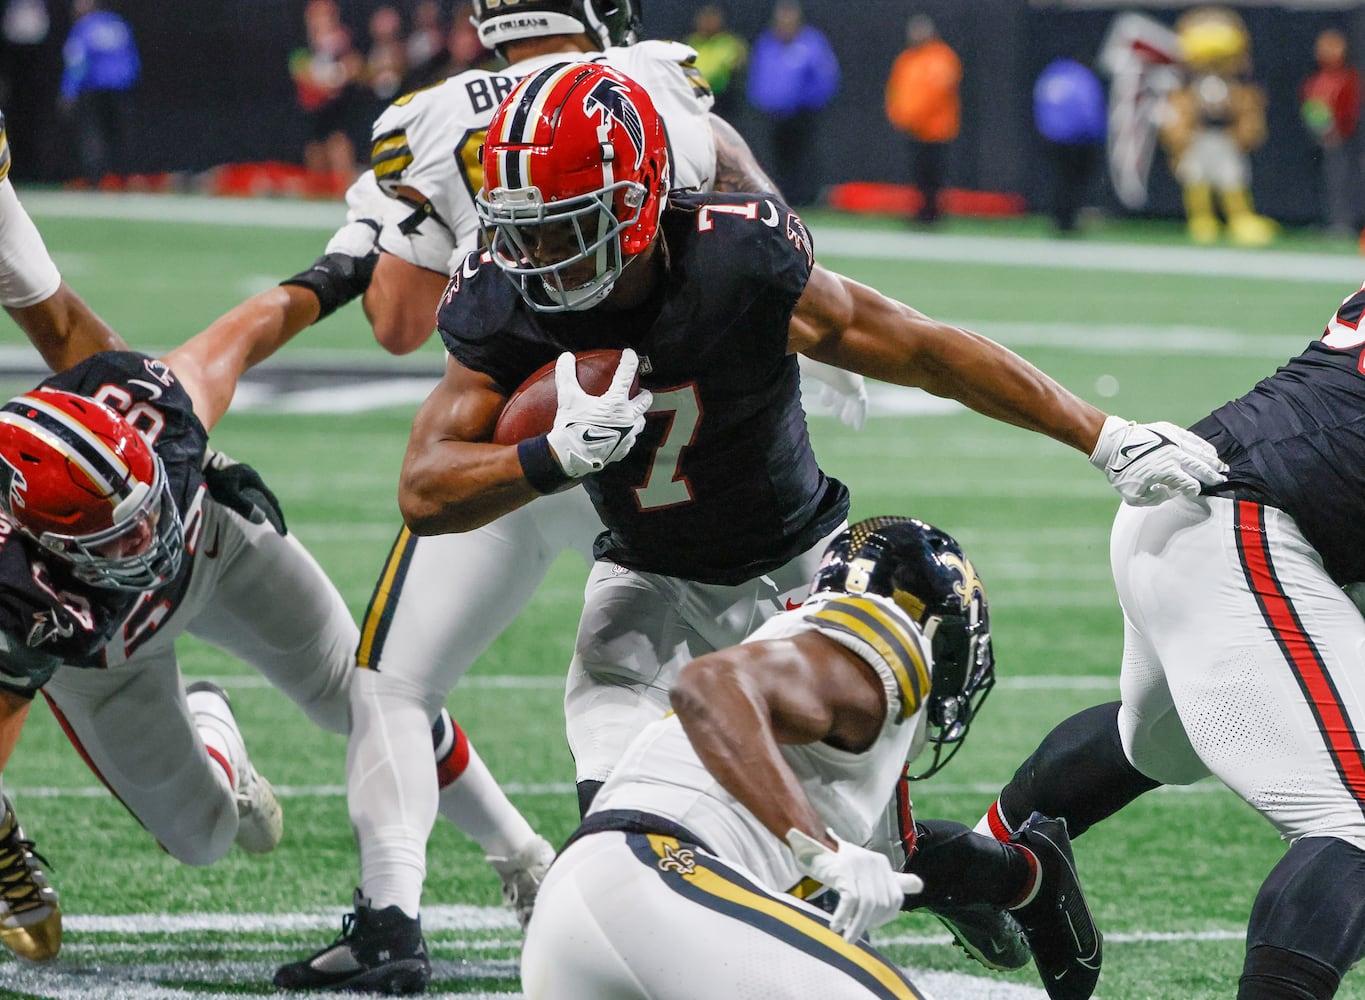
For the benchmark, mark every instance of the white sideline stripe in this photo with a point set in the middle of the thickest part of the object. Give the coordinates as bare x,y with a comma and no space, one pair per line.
68,980
830,240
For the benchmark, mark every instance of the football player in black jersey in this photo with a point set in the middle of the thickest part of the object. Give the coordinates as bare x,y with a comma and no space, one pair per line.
715,508
120,530
1243,642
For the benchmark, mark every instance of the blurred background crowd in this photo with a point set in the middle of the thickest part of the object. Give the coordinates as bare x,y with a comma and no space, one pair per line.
1240,119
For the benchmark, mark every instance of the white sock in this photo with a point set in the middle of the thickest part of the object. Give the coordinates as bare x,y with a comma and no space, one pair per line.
477,805
393,865
221,737
390,789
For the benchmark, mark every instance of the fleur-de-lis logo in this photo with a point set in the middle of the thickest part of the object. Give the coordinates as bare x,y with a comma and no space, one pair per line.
970,585
680,860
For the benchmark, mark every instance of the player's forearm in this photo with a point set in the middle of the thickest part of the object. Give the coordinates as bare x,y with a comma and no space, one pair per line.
730,726
401,303
737,168
65,330
888,340
452,486
211,363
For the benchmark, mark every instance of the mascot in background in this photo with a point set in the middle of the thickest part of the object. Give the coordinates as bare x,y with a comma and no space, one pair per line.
1212,122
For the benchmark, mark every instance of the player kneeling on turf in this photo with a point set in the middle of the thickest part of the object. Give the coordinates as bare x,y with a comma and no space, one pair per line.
762,786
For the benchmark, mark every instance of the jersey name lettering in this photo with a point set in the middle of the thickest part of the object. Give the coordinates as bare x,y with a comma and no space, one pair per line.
486,93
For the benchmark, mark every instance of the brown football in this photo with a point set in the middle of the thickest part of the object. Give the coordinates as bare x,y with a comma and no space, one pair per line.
530,411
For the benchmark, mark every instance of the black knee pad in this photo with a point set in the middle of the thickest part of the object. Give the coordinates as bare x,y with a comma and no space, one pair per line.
1078,772
1272,973
1313,905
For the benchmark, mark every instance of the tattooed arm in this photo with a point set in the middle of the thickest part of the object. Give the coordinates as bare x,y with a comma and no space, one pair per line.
737,168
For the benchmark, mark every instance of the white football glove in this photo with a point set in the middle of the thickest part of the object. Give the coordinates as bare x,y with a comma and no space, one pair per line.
591,432
870,890
1149,463
842,394
355,239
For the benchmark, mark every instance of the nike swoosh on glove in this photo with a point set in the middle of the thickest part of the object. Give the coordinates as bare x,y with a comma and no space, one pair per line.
591,432
1150,463
870,890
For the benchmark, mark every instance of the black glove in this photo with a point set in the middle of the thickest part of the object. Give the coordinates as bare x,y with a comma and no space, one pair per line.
240,488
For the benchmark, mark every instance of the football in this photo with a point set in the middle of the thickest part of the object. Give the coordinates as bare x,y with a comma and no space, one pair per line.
530,411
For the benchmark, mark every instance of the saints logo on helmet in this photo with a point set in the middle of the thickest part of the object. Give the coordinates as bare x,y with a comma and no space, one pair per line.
606,22
926,573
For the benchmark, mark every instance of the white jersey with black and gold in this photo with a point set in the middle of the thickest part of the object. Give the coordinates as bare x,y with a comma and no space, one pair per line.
426,145
27,274
661,773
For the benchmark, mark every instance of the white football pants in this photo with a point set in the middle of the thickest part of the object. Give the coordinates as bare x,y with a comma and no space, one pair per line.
646,917
440,602
639,630
260,597
1241,658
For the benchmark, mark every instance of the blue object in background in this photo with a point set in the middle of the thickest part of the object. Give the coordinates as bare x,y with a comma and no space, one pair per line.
99,55
1068,104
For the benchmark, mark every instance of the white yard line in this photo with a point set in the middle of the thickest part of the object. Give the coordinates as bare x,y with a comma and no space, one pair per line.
80,975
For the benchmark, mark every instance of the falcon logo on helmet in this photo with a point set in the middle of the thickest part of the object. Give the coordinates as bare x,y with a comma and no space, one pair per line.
86,486
575,178
12,485
609,98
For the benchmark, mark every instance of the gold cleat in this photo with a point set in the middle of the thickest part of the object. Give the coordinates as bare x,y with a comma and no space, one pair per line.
30,916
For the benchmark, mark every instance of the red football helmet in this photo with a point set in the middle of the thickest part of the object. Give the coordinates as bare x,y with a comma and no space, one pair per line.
575,177
80,480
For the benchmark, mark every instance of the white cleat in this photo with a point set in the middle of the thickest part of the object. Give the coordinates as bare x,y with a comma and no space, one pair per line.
260,820
522,874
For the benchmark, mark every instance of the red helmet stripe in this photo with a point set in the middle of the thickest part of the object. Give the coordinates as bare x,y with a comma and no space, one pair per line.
86,451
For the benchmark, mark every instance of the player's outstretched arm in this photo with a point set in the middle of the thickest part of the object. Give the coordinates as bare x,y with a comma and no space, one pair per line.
64,329
61,326
738,705
211,362
852,326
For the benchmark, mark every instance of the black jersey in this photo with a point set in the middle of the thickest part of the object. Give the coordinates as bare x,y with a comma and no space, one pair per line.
1297,442
722,484
47,616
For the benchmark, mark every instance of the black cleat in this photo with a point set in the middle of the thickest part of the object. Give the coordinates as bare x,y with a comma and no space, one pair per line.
378,951
1057,922
987,933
